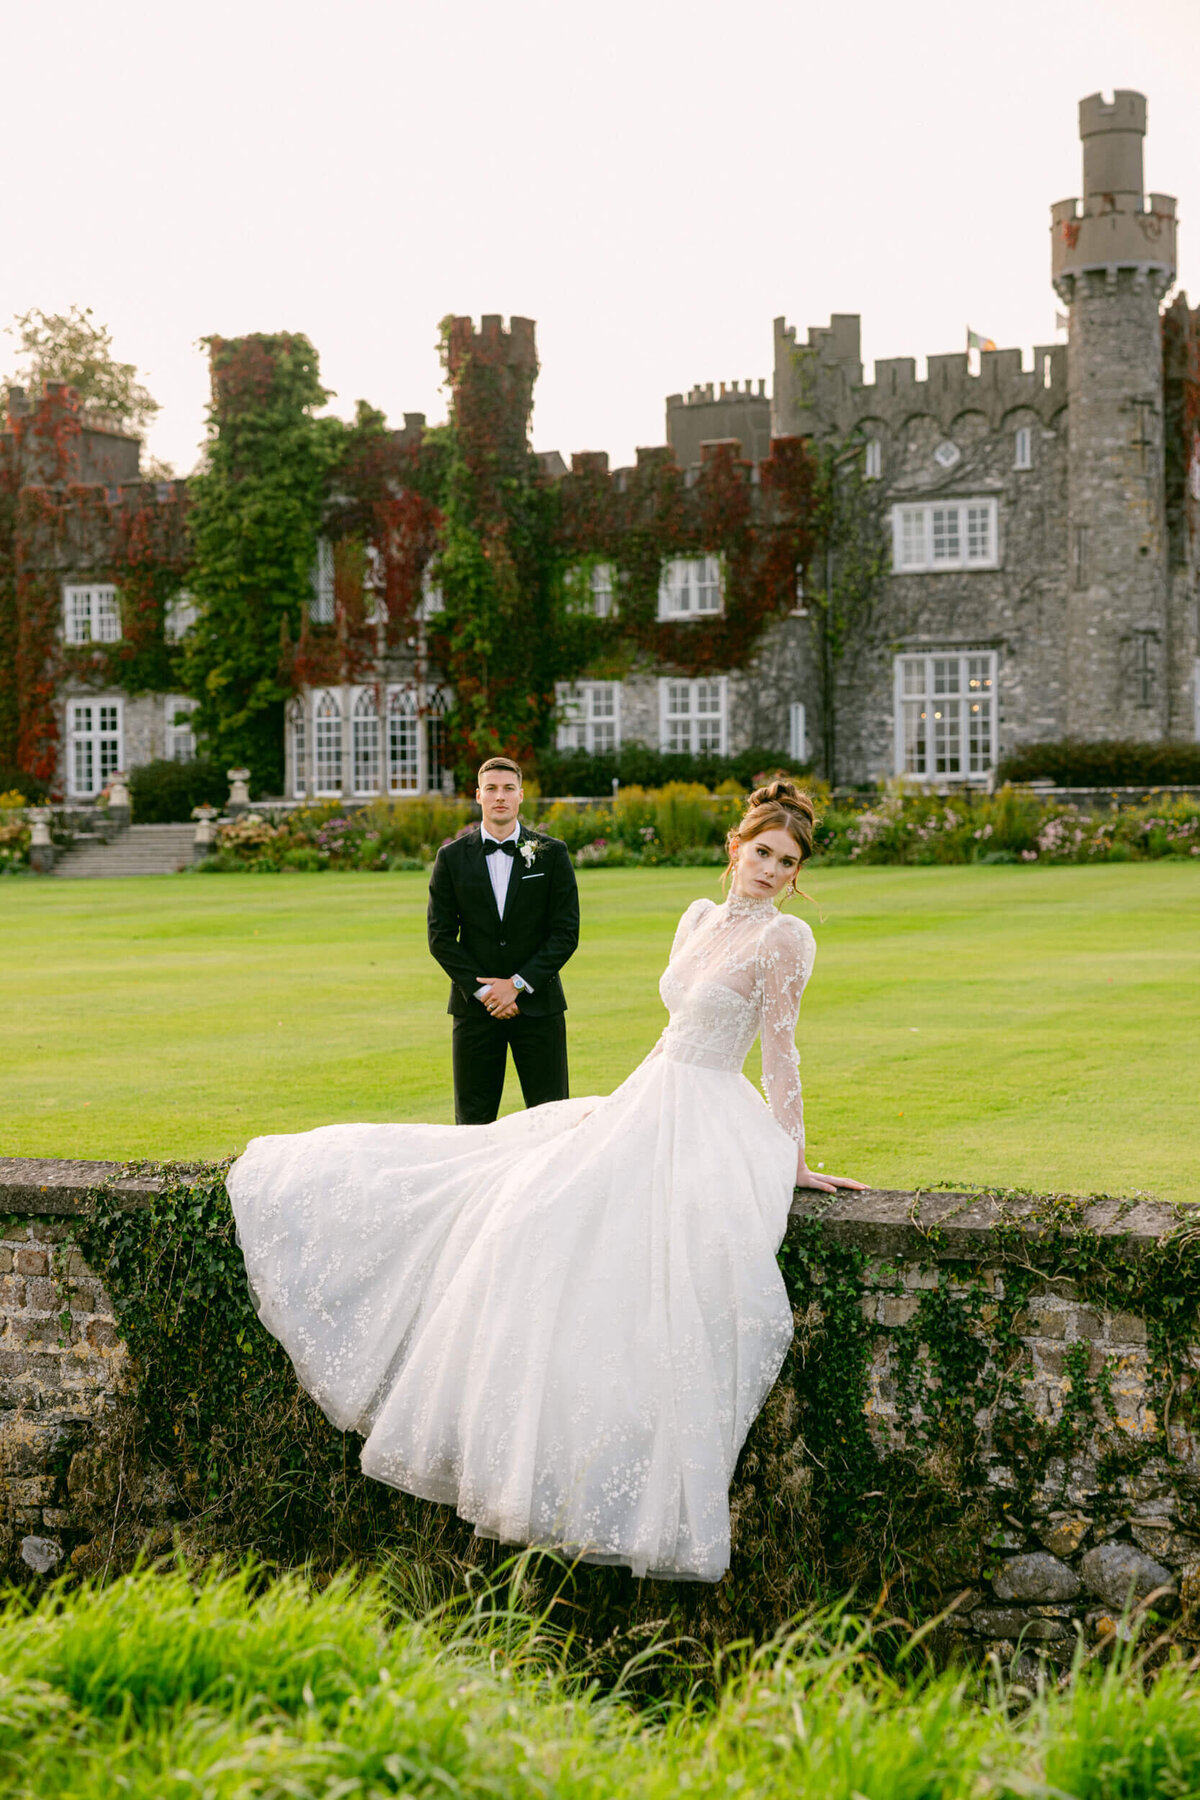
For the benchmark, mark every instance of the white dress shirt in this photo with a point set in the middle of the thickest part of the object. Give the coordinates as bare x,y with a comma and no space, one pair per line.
500,868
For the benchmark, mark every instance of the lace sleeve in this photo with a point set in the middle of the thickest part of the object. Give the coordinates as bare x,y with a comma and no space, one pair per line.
687,924
785,963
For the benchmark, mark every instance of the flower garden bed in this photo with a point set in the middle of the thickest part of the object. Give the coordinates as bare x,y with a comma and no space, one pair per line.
683,824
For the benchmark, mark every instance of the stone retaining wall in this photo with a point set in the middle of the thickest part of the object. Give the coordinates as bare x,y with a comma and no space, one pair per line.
1080,1550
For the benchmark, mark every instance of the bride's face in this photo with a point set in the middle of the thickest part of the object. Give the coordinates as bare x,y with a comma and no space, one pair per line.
766,864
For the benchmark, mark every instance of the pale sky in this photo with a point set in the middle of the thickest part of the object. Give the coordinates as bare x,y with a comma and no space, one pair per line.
652,181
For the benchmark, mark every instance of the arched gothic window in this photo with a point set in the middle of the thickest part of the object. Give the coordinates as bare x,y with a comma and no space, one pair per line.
365,742
298,727
329,744
404,764
435,738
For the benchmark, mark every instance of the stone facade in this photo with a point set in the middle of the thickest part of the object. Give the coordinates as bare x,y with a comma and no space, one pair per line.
1089,607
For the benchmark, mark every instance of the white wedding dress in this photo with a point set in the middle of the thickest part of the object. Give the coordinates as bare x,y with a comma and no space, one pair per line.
562,1324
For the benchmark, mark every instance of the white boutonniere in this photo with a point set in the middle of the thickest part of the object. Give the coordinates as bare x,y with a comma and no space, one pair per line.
529,848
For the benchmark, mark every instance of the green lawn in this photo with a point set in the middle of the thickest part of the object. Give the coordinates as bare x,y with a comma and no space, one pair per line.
1026,1026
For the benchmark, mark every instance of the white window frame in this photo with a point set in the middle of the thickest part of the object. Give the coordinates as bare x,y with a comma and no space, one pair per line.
437,704
691,587
946,714
432,601
873,460
592,588
321,606
798,731
364,742
95,743
686,713
179,741
179,615
403,740
937,536
1023,447
589,716
298,726
91,613
327,743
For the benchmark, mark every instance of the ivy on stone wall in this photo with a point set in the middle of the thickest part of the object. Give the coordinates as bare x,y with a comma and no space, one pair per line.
828,1493
256,511
54,528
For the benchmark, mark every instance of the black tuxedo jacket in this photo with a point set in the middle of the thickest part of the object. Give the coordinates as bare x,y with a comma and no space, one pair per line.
536,936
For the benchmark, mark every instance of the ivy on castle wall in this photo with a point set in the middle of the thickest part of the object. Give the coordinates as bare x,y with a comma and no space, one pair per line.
826,1494
1181,423
54,528
256,511
469,509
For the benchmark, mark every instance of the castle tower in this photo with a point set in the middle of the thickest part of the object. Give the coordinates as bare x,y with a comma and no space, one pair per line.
491,374
1113,259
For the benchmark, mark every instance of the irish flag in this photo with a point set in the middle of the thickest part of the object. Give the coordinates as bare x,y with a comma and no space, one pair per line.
976,341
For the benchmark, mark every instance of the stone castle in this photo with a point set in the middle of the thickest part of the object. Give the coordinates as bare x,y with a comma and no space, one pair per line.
1033,527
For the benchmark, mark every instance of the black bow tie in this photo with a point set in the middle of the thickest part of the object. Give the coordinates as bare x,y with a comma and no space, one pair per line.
507,848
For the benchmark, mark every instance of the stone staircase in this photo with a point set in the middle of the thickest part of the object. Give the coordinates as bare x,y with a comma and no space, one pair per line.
142,850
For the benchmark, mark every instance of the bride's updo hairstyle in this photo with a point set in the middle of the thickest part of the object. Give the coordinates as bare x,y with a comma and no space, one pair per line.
777,805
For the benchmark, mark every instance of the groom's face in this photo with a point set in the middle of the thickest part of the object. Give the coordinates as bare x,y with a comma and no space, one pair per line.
499,795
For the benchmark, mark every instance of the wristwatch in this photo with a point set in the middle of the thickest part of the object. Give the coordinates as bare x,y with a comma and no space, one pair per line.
521,985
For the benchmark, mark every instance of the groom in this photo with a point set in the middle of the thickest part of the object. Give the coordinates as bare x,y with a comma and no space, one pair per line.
503,919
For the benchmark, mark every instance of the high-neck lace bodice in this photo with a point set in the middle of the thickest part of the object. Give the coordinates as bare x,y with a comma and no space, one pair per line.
738,970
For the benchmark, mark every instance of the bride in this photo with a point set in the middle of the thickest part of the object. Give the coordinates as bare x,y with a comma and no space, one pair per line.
563,1324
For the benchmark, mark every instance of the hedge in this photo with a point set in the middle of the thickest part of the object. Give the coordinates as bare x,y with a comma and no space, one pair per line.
1112,763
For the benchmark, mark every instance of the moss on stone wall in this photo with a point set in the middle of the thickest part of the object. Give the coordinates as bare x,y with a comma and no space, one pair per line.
942,1419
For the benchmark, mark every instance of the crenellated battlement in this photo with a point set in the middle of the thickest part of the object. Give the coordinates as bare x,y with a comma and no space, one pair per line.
1115,229
514,348
733,411
708,393
820,390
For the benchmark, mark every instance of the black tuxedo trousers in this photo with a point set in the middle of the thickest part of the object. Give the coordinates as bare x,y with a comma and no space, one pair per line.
536,934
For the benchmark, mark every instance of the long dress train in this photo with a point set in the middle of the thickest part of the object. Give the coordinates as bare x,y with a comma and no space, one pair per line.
564,1323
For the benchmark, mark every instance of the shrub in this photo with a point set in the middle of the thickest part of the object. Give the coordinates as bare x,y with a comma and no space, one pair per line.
14,832
16,781
1115,763
637,765
164,793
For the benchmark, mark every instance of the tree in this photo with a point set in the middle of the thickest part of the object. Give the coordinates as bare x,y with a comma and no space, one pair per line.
72,347
256,511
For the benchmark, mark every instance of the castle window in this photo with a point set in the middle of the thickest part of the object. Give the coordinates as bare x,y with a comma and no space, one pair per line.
179,615
946,714
364,742
91,615
320,607
404,761
433,601
298,725
436,774
179,739
589,716
951,534
592,590
95,749
690,587
873,460
329,744
1023,448
692,716
374,585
